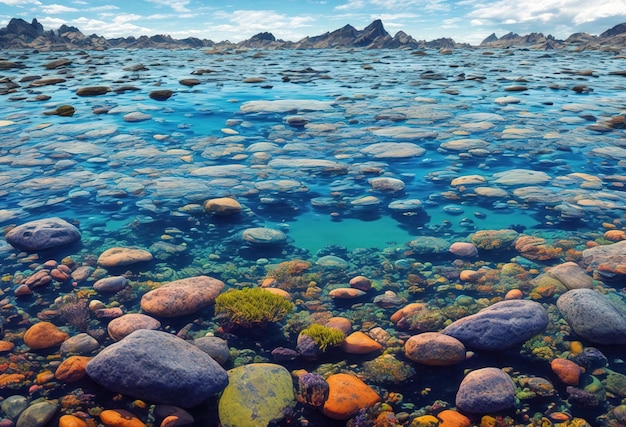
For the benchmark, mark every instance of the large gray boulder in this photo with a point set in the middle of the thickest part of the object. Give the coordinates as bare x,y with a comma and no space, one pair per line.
42,234
159,367
595,317
500,326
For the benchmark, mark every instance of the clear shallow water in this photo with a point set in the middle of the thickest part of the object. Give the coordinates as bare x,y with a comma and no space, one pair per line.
141,183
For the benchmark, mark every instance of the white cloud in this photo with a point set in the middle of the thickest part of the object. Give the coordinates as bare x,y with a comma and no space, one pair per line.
54,9
427,5
19,2
241,24
548,11
177,6
351,5
119,26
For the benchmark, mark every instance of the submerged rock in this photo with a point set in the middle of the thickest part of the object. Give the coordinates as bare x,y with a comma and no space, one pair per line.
159,367
39,235
593,316
182,297
257,395
503,325
485,390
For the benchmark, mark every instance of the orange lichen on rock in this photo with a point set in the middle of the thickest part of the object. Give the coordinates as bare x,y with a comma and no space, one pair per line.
6,379
347,395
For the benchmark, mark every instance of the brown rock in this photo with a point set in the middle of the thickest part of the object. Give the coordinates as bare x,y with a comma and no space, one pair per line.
361,282
72,369
347,395
182,297
44,335
126,324
434,349
118,256
222,206
346,293
359,343
567,371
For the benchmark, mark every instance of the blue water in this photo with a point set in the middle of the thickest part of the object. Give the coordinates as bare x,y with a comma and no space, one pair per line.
129,183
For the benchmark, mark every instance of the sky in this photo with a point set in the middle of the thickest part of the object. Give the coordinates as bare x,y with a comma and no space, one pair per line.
468,21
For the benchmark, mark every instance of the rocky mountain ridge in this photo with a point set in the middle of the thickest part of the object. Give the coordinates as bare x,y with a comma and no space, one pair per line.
20,34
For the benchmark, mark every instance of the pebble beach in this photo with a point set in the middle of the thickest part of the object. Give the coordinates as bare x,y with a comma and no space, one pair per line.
337,237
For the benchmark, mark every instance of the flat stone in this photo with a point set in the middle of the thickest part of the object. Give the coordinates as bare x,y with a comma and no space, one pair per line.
222,206
161,94
44,335
159,367
111,284
263,236
571,275
595,317
500,326
606,258
521,177
120,256
80,344
182,297
42,234
393,150
484,391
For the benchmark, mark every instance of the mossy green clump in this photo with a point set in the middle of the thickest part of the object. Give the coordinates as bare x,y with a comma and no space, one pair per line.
250,307
323,336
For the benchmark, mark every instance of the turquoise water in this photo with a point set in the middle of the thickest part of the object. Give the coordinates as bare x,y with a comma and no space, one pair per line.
542,158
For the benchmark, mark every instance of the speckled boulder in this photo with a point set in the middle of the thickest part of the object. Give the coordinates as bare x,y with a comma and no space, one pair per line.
485,390
159,367
119,256
128,323
182,297
262,236
595,317
435,349
256,395
503,325
606,258
42,234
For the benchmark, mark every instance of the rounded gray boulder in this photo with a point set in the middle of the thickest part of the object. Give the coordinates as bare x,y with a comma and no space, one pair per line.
500,326
593,316
42,234
159,367
485,390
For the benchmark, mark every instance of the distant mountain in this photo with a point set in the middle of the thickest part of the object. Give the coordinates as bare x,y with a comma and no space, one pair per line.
19,34
614,38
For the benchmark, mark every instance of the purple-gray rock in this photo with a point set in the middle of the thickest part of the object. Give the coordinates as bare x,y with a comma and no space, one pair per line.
215,347
593,316
608,260
503,325
485,390
42,234
159,367
111,284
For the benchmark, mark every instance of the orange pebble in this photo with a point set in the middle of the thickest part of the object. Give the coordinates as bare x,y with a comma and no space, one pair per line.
72,369
6,346
280,292
71,421
615,235
407,310
514,294
120,418
567,371
450,418
359,343
575,347
347,395
469,276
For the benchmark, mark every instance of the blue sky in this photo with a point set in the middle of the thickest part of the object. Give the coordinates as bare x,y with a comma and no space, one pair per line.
235,20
